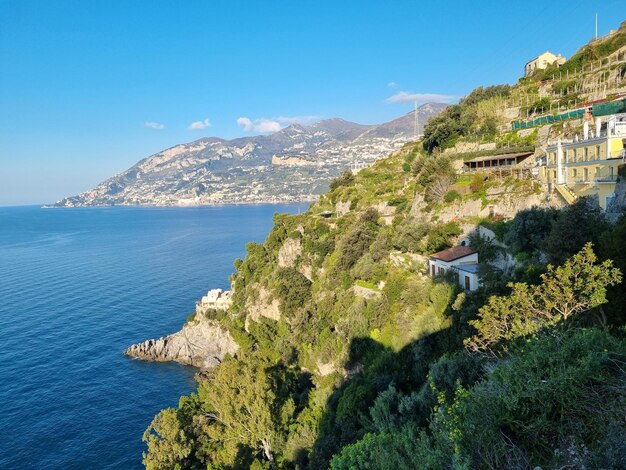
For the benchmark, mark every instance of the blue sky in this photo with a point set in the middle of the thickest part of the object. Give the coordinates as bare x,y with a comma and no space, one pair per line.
88,88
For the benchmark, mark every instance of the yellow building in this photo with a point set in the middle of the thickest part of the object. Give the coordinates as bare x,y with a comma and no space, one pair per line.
587,166
542,61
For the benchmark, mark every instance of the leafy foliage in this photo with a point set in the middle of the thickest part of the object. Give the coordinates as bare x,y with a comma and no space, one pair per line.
344,180
477,113
442,236
577,286
529,228
574,226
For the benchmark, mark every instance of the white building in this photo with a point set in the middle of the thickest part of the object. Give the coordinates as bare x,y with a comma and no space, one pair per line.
217,299
461,259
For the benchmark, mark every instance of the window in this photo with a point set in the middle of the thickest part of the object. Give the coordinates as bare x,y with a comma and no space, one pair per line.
611,173
586,174
597,152
441,270
433,270
574,172
586,153
575,155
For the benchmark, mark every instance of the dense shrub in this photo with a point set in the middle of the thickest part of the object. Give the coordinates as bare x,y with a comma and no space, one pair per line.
356,243
574,226
529,228
451,196
442,236
346,179
559,391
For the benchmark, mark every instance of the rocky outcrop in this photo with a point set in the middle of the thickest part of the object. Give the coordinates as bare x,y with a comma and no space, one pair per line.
200,343
505,204
265,305
386,212
365,292
342,208
289,252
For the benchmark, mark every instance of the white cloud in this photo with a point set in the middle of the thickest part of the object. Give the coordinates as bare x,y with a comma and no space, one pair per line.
407,97
392,85
267,125
246,123
196,125
264,126
154,125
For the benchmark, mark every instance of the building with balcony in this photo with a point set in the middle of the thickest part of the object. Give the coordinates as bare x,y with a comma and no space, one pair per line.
587,165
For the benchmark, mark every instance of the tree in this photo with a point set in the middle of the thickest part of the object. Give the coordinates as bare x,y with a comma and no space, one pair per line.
168,447
250,403
528,230
356,243
577,286
441,237
574,226
346,179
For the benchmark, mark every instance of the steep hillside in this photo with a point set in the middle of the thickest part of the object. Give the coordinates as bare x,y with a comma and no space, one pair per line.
352,354
345,344
292,164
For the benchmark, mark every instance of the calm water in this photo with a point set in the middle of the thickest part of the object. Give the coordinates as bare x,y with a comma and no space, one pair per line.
79,285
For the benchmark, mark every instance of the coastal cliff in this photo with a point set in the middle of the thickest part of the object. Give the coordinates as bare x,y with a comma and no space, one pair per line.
200,343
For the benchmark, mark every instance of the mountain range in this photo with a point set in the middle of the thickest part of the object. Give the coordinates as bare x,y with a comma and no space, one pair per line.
293,164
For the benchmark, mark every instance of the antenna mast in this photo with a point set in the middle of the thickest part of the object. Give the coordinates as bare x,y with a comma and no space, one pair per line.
416,121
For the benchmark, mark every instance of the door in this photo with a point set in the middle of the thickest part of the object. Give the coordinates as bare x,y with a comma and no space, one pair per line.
467,283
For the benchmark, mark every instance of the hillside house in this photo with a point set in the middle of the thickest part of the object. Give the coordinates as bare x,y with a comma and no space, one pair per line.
542,61
461,259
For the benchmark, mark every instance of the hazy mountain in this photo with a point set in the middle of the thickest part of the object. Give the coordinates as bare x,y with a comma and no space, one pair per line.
295,163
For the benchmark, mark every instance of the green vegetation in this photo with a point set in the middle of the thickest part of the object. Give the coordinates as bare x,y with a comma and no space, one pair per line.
477,114
396,377
373,364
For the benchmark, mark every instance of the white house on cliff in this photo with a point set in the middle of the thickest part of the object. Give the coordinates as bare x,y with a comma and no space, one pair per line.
461,259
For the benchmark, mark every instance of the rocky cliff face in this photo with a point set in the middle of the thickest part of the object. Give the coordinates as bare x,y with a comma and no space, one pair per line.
293,164
200,343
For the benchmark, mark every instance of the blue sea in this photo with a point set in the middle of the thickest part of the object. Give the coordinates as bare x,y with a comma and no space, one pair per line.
77,286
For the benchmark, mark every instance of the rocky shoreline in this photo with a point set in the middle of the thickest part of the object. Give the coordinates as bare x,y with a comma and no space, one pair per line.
200,343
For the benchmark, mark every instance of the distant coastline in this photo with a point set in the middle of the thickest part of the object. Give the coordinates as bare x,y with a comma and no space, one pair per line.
182,206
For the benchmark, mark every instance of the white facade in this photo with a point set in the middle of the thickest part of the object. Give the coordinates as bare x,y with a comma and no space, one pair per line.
217,299
465,267
468,276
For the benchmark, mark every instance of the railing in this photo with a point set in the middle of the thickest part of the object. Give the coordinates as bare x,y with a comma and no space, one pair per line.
567,193
596,179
